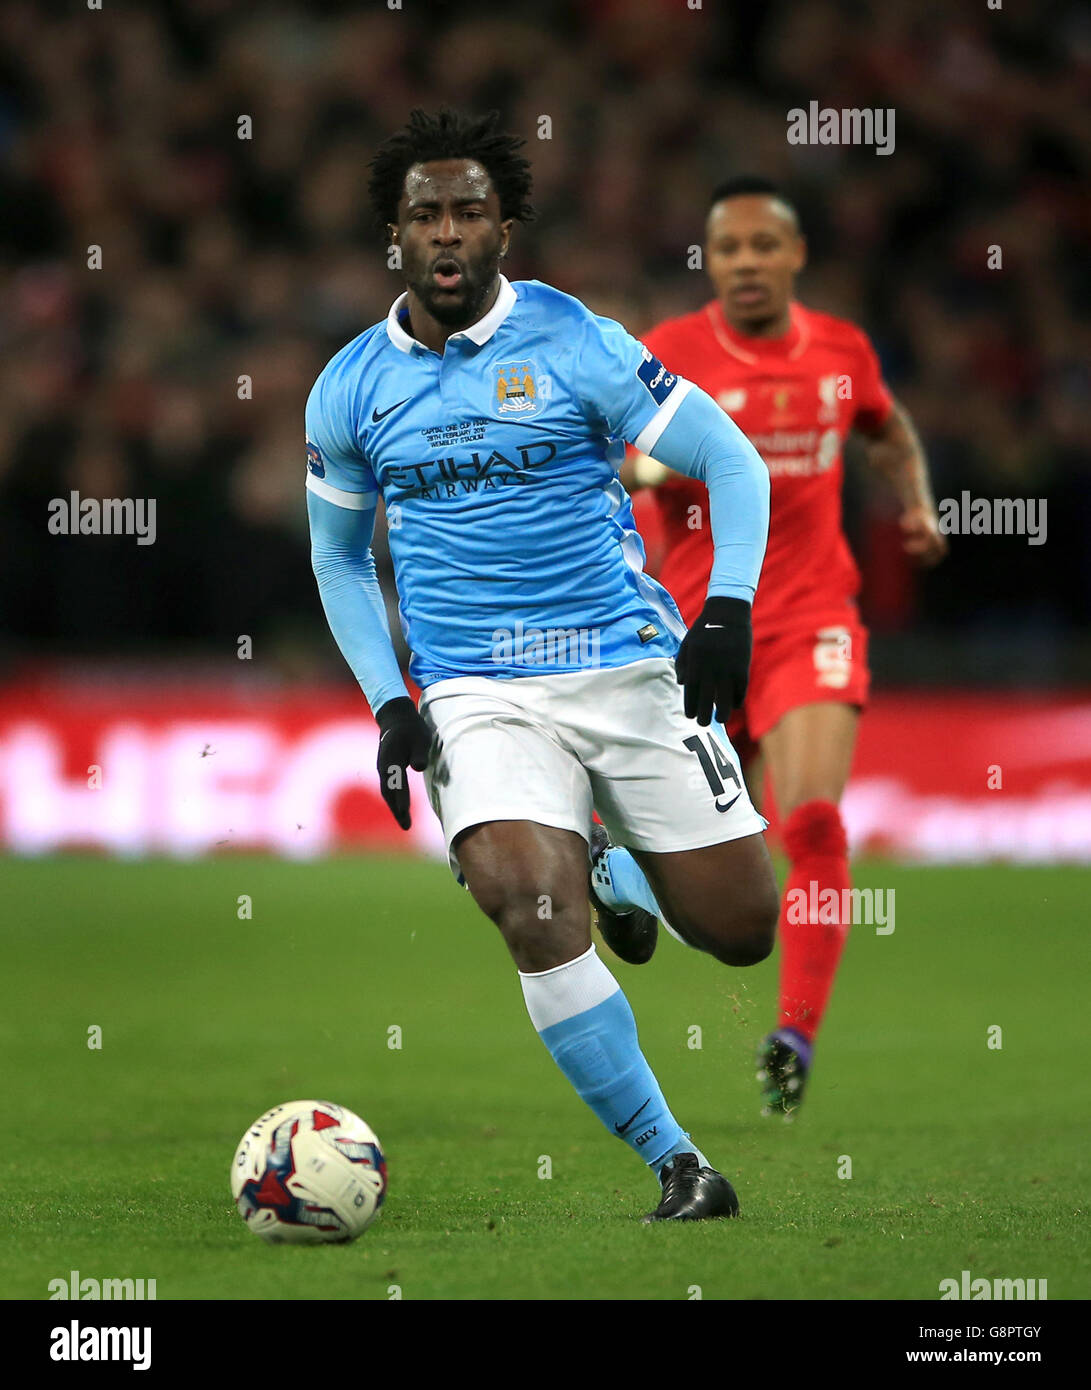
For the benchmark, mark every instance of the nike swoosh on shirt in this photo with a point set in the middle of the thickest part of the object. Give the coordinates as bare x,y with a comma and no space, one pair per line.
729,805
622,1128
377,415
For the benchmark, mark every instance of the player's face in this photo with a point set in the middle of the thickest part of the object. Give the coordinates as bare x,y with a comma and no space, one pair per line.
452,238
753,253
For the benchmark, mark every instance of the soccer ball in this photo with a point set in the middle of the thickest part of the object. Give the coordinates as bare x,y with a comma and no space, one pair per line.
308,1172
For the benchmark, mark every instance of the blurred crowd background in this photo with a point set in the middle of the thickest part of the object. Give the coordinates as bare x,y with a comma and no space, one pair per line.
225,258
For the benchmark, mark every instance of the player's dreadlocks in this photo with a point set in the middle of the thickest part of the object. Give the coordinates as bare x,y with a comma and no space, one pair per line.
450,135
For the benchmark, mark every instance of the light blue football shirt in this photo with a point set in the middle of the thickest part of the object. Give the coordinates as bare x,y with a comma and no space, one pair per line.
514,546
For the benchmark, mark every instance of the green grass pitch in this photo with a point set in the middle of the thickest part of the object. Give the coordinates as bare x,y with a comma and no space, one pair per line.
116,1161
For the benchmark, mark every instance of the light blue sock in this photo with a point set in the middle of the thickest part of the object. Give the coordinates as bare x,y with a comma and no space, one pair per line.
586,1023
619,881
685,1145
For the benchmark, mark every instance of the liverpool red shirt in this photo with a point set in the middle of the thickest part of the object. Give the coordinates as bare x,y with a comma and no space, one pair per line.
796,398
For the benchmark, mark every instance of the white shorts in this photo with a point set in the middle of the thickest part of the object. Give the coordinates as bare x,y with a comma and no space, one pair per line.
550,748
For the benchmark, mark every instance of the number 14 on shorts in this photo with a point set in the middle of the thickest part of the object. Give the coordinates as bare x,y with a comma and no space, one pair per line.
719,771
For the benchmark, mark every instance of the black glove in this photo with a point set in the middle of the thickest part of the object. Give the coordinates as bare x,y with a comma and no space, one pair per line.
404,741
713,662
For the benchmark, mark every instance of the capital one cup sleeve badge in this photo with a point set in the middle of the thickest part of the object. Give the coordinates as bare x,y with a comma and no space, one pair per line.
316,464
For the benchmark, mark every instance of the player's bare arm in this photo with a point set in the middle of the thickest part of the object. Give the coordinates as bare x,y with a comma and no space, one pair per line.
639,471
895,450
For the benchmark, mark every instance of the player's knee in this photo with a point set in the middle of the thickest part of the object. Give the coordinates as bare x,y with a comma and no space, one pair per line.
751,938
756,931
741,932
540,928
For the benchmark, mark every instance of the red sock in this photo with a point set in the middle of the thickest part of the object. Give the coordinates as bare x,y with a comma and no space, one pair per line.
810,945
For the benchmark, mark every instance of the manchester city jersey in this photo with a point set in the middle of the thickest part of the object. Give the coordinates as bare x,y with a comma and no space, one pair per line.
514,546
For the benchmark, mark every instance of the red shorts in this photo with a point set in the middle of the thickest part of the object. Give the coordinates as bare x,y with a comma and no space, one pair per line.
816,661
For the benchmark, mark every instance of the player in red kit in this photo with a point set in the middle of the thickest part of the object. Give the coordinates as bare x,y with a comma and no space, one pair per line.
797,382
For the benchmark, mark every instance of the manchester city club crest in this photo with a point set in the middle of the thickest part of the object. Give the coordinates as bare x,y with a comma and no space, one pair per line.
517,388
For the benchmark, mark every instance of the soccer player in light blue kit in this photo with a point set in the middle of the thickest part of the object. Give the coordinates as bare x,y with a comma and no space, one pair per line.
557,678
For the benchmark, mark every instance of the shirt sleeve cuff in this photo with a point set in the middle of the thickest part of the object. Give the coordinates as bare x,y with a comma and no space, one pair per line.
648,437
351,501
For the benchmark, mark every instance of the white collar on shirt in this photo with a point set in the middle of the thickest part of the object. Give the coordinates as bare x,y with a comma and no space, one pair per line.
479,332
